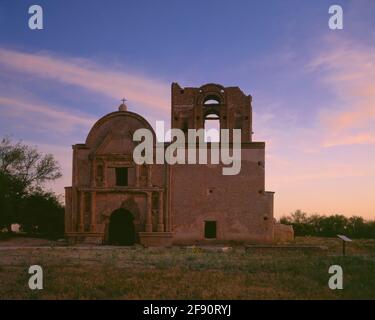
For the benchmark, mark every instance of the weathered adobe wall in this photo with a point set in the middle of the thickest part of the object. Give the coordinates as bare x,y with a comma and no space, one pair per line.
283,233
81,166
238,203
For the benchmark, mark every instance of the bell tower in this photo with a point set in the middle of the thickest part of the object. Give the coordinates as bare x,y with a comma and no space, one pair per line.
193,108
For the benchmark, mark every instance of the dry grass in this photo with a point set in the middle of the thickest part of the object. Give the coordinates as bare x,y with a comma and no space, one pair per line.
137,273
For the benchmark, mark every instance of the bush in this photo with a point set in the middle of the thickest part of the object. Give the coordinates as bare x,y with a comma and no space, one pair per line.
42,214
329,226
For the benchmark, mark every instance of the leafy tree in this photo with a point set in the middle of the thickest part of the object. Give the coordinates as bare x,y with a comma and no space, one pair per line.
329,226
11,192
42,213
23,170
299,216
298,219
356,225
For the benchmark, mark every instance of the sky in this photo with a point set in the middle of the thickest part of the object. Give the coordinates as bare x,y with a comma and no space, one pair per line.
313,88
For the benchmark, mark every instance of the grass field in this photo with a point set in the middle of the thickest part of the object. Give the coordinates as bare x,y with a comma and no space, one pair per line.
177,273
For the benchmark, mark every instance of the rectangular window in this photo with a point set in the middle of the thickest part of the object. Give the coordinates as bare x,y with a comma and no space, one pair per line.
210,229
121,176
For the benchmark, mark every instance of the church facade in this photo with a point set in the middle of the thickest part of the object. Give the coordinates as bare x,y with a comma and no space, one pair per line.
113,200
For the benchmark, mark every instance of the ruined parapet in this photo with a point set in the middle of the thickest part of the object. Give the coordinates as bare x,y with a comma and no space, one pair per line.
193,106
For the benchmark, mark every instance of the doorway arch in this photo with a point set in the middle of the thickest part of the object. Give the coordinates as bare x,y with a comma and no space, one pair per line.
211,127
121,230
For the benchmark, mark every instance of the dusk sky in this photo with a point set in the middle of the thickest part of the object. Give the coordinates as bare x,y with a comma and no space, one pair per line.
313,88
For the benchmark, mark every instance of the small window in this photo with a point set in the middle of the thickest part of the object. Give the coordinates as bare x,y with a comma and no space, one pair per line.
210,229
121,176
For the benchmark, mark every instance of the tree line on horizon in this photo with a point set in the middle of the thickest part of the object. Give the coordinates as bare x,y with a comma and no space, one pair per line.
329,226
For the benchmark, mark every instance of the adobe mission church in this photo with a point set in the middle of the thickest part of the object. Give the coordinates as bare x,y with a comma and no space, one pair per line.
112,200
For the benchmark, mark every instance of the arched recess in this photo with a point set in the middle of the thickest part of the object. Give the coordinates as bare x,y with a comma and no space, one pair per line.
128,204
121,229
212,99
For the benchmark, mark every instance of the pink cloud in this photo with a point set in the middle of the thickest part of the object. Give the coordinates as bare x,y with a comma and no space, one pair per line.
83,73
44,117
349,71
355,139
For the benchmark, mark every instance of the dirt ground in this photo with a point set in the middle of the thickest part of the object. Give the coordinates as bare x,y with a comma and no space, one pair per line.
26,242
107,272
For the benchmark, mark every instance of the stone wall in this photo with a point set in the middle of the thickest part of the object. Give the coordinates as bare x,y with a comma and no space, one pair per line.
243,211
283,233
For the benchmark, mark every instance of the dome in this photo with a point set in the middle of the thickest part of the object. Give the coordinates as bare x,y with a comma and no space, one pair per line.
119,123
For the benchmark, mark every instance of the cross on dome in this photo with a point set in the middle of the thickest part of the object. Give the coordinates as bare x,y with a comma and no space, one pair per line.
123,106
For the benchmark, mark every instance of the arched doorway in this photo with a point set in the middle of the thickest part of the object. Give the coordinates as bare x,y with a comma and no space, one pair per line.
121,229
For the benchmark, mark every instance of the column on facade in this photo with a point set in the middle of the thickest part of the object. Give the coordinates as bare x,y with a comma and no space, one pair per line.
93,211
161,213
105,174
149,176
167,213
93,173
75,210
81,211
149,213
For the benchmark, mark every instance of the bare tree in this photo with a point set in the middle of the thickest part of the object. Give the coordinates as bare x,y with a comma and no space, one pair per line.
26,164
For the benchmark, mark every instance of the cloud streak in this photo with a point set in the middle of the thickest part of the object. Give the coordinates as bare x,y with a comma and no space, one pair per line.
349,72
42,116
83,73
